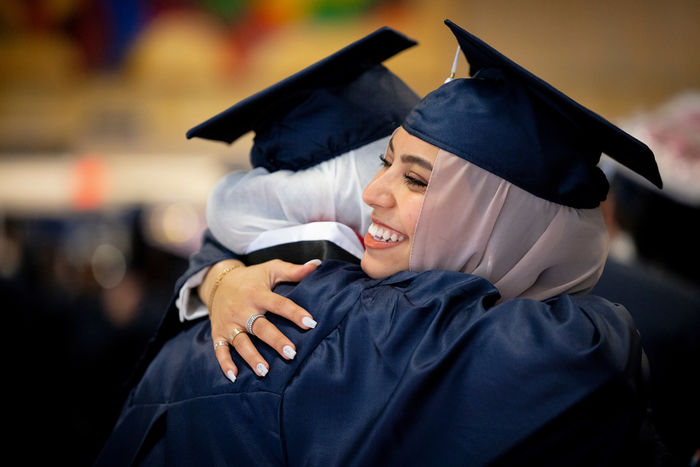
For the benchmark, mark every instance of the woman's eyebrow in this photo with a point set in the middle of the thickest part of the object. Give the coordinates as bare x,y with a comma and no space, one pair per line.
411,159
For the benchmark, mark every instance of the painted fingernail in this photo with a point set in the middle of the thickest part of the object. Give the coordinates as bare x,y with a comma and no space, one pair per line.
317,262
288,352
231,376
308,322
262,369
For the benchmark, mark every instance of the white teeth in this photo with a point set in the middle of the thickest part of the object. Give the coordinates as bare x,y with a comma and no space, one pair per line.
384,235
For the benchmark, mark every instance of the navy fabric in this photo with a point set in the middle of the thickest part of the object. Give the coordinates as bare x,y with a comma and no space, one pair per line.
667,313
210,253
515,125
414,369
339,103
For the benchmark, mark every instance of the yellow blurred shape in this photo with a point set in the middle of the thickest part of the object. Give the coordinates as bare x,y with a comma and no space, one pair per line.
39,60
178,50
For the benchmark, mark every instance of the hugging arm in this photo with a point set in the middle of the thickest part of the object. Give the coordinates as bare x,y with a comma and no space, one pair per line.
243,206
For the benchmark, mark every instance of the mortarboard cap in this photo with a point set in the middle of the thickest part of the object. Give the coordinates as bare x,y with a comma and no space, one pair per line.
340,103
512,123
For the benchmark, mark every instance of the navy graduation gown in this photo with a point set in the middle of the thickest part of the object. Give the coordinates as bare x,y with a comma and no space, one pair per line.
417,369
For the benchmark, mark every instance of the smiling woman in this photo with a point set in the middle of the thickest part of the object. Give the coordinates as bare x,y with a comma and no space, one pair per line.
465,336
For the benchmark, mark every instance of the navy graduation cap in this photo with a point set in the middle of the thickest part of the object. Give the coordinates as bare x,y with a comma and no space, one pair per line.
340,103
513,124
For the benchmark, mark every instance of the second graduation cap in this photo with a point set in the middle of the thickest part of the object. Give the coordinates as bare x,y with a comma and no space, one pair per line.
340,103
513,124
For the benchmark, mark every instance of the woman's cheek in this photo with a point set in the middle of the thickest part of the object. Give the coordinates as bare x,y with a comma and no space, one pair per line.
412,213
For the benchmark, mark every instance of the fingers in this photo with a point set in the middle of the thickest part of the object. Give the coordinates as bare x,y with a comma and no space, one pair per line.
281,271
265,331
286,308
223,355
268,333
245,348
250,290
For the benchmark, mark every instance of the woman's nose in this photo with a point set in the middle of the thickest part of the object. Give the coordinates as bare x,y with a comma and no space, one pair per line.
378,192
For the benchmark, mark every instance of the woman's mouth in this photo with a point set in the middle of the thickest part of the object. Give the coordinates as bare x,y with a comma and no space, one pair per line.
379,236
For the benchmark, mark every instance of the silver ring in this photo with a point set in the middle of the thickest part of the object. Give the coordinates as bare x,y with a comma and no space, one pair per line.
233,335
249,324
218,343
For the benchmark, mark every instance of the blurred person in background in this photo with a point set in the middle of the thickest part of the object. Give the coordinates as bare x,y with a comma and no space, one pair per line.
652,265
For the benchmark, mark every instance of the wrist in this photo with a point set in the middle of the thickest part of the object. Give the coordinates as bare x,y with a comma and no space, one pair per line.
213,278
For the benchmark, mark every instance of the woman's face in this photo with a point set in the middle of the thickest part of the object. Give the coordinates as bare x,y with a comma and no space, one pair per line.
396,197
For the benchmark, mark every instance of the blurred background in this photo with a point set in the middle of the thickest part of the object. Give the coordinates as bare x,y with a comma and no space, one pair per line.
102,197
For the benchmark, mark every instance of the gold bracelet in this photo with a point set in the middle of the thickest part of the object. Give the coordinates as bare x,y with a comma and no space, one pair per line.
219,278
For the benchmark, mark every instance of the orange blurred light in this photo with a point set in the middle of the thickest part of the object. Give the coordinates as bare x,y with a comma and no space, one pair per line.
89,182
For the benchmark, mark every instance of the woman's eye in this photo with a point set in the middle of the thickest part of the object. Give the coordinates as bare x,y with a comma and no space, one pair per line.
385,163
413,181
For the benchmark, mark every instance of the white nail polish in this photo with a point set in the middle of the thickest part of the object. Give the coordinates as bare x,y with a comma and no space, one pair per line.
317,262
262,369
288,352
308,322
231,376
